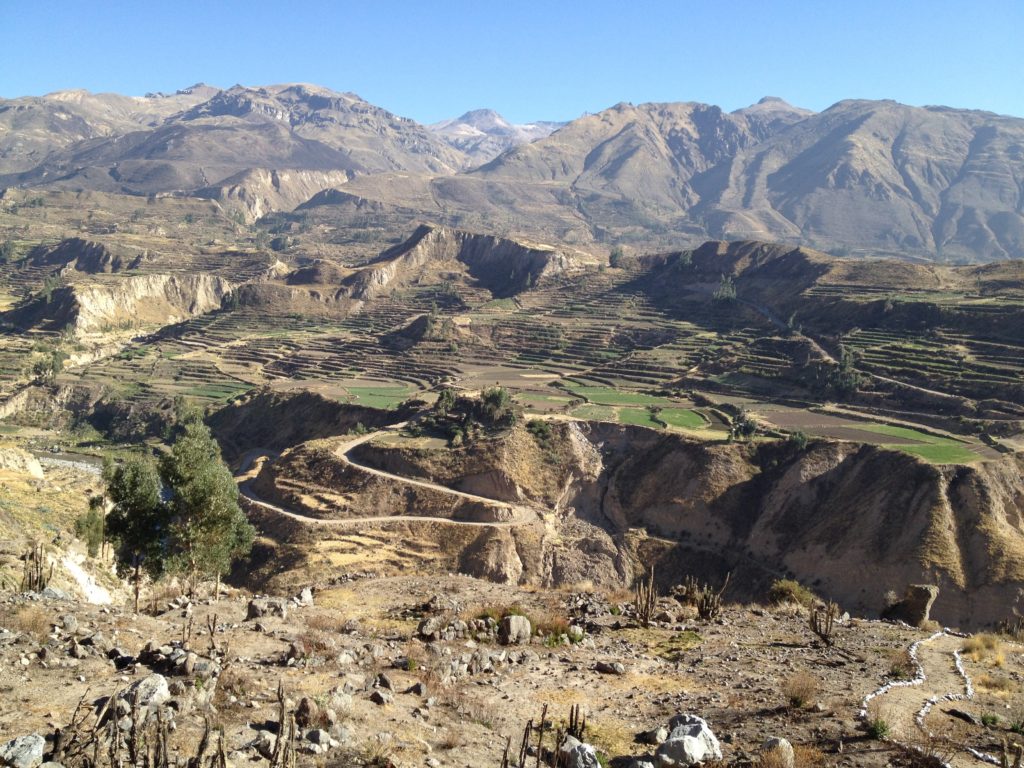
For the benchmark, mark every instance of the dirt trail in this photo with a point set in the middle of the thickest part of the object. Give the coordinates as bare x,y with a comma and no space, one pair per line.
521,515
93,592
910,708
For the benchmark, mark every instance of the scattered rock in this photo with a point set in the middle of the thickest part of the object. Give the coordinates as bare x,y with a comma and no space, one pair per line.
577,754
690,741
654,737
514,630
381,696
610,668
23,752
148,693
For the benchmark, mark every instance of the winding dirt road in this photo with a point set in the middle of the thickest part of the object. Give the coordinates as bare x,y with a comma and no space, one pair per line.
520,515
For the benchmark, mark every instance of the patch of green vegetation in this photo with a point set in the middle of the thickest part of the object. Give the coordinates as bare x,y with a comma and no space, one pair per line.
384,397
933,448
905,432
682,417
612,396
950,453
215,391
639,417
595,413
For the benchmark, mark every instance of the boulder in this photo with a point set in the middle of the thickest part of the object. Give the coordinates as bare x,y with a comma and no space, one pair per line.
782,749
23,752
610,667
148,693
431,627
576,754
307,714
260,606
514,630
915,606
689,742
654,737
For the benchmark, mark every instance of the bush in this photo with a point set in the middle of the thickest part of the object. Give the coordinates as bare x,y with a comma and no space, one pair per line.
878,728
800,689
791,591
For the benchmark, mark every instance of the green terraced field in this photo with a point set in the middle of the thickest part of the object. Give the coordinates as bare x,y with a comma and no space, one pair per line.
613,396
682,417
933,448
380,397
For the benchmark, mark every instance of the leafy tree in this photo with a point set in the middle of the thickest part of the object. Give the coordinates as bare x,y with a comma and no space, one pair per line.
496,407
726,290
445,401
89,527
138,522
6,251
208,528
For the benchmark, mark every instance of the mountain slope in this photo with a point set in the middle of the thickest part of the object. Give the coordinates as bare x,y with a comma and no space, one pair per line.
483,134
294,127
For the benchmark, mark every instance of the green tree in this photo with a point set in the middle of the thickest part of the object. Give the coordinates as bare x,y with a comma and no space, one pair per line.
6,251
138,522
726,290
445,401
89,527
208,528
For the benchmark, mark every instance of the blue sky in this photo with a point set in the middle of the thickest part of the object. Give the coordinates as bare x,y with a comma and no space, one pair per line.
529,60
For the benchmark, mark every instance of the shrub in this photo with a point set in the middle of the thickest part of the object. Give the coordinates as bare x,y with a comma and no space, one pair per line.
30,619
807,756
878,728
800,689
985,647
791,591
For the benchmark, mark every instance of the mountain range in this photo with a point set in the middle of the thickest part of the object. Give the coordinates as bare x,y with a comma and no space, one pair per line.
859,178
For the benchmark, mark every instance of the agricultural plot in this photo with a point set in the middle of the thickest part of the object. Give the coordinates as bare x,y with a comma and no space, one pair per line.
931,447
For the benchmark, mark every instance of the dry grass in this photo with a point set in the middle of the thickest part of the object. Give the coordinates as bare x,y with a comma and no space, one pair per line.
775,757
613,737
985,648
30,619
994,684
808,756
800,689
548,622
326,622
451,738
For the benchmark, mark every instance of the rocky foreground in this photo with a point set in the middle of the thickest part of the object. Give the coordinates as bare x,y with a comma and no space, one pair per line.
408,672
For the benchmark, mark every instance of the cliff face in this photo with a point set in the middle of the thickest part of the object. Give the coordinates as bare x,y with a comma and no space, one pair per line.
504,267
851,521
129,302
259,191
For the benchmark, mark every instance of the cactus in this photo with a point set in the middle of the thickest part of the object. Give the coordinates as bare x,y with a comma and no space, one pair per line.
822,621
646,599
709,602
35,578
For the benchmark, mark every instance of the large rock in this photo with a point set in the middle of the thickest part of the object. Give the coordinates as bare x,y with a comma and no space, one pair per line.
915,606
261,606
782,749
148,693
514,630
690,741
23,752
576,754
